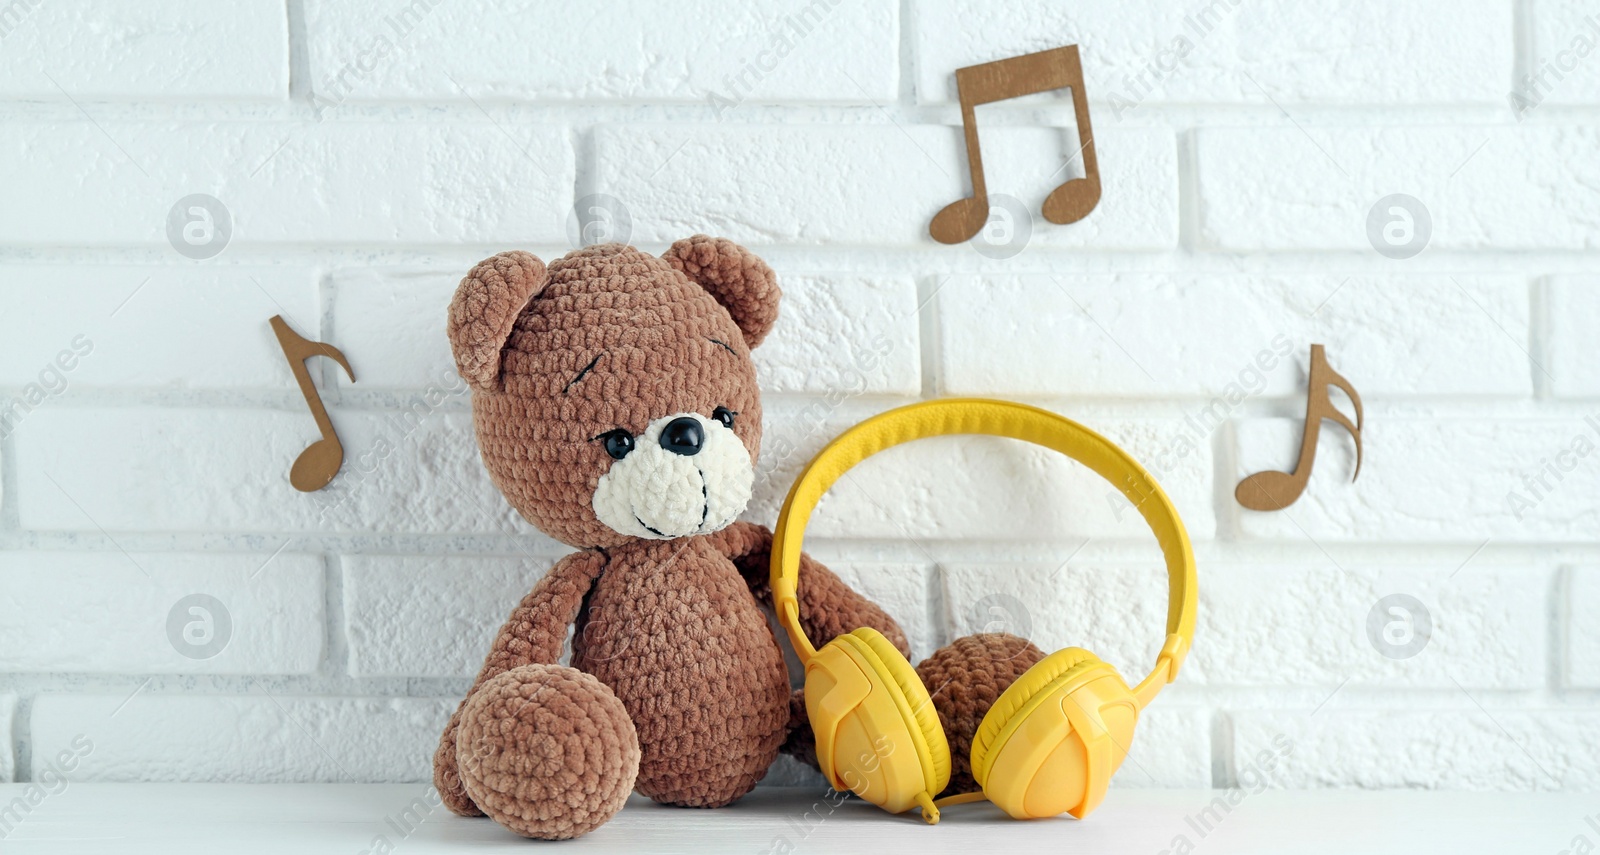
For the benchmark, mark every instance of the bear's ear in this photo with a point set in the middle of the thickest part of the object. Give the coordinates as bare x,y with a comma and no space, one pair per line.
740,281
486,306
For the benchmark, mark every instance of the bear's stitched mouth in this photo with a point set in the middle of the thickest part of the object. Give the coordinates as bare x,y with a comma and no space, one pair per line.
705,511
652,529
705,499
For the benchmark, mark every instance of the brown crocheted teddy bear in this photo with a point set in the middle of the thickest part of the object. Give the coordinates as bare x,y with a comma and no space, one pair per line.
616,408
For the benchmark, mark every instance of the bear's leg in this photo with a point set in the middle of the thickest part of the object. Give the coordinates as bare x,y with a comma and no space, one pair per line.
446,778
964,678
547,751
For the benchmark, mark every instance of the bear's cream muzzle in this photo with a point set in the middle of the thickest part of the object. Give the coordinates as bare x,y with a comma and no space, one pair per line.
663,492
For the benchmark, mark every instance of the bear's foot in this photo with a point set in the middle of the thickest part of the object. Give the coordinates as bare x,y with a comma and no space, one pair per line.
547,751
964,678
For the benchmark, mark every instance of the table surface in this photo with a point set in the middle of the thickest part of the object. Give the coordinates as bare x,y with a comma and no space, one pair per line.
129,819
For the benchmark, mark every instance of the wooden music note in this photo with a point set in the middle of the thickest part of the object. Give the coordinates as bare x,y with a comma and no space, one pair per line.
1056,68
1274,491
317,465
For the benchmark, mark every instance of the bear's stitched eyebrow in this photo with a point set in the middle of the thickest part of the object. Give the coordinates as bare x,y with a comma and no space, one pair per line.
725,346
582,374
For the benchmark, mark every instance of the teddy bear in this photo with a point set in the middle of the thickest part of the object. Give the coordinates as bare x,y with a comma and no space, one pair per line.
616,407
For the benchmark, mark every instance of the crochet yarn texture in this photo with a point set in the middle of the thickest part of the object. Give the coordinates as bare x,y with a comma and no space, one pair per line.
609,358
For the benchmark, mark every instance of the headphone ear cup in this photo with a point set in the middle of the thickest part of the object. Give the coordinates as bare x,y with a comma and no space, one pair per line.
877,731
916,695
1024,688
1053,739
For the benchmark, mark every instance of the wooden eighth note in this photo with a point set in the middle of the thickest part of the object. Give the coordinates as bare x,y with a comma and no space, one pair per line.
1273,490
317,465
1028,74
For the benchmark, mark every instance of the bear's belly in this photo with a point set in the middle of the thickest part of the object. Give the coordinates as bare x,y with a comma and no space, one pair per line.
674,631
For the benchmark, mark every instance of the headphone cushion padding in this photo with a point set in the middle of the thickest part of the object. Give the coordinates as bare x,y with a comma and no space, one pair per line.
1037,679
904,677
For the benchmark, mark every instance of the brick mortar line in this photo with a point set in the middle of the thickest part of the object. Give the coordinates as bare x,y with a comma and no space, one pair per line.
299,51
798,259
336,640
929,335
1524,51
330,374
1493,408
1189,199
1183,696
1352,115
1534,557
1224,464
10,515
1541,338
1559,628
906,43
89,541
1222,749
21,736
585,164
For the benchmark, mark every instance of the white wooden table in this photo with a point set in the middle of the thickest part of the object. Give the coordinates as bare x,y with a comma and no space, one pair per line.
299,819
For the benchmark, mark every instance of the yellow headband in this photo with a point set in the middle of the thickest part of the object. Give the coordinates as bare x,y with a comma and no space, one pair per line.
993,418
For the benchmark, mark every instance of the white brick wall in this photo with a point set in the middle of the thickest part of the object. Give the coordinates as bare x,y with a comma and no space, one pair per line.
1561,72
1572,298
1582,610
429,616
288,182
179,50
870,184
628,51
257,736
1443,748
145,319
368,154
93,612
1428,52
1092,327
1269,189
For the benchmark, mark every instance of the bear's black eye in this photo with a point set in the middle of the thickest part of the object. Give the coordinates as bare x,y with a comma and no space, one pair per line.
618,443
724,415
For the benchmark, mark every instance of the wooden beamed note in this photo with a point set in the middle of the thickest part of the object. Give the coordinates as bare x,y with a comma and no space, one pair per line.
1058,68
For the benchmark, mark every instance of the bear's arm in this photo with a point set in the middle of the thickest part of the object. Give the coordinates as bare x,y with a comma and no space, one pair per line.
537,628
533,635
828,607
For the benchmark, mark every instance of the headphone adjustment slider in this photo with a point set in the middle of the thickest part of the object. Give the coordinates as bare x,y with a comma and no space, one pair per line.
1167,664
1173,653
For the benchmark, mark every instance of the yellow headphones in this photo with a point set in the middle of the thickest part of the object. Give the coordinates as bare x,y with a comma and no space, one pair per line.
1053,739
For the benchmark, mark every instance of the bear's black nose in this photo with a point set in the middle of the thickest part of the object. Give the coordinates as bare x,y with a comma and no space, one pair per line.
683,435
